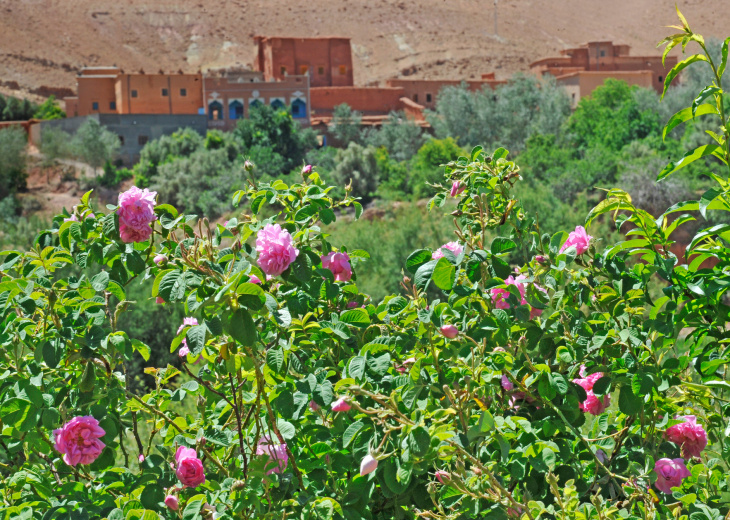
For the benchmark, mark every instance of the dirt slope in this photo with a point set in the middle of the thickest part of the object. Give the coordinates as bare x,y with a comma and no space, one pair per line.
44,42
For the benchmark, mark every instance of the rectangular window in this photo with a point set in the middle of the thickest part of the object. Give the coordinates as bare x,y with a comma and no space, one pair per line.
134,93
164,92
415,98
429,98
304,70
283,71
142,140
183,92
343,70
112,105
95,105
603,53
320,71
121,139
661,78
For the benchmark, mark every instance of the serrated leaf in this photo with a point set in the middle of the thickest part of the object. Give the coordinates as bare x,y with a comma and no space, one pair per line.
241,327
444,274
275,359
351,432
355,317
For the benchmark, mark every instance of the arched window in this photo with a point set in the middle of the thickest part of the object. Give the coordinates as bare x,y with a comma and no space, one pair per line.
298,109
277,104
215,110
235,110
255,103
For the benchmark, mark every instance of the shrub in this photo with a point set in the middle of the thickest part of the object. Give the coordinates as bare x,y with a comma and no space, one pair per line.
399,134
55,144
357,166
94,144
345,125
427,165
559,387
49,109
13,143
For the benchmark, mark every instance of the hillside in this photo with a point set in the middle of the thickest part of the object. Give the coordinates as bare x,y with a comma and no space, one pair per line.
44,42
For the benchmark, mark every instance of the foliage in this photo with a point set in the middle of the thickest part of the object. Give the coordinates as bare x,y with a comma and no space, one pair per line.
506,116
13,142
55,144
345,125
14,109
544,388
49,109
276,130
357,166
399,134
94,144
182,143
426,166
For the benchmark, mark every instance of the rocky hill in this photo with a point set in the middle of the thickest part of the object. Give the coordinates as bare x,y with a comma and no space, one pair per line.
44,42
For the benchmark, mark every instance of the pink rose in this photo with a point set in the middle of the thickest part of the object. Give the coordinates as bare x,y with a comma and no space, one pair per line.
313,406
278,458
160,259
252,278
276,249
592,404
171,502
339,264
140,458
307,169
341,405
670,473
506,383
189,467
457,188
159,299
454,247
184,350
131,234
368,465
578,239
449,331
136,213
500,296
442,475
691,436
72,218
540,259
78,440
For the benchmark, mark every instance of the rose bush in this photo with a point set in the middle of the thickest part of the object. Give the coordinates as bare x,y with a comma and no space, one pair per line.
559,386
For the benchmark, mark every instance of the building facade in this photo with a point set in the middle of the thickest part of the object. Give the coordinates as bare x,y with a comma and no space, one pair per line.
327,61
604,56
581,83
425,91
230,95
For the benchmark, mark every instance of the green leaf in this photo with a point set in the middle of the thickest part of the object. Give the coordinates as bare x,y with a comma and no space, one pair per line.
351,432
689,158
355,317
629,403
685,115
192,509
502,245
287,429
444,274
356,368
100,281
417,259
275,359
251,295
723,63
196,338
419,441
678,68
358,210
135,262
14,411
424,273
704,94
241,327
172,286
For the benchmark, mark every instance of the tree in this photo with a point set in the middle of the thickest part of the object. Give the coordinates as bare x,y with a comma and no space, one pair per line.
94,144
399,134
13,156
49,109
358,165
55,143
182,143
345,125
427,164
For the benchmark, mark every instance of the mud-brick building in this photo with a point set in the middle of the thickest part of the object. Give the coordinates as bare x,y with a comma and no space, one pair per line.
109,90
586,67
327,61
230,95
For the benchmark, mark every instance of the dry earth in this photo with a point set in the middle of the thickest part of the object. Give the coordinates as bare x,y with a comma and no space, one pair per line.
44,42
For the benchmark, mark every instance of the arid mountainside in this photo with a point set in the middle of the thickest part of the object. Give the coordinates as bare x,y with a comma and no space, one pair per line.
44,42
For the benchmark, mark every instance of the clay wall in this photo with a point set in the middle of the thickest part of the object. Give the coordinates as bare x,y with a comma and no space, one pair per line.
368,100
424,92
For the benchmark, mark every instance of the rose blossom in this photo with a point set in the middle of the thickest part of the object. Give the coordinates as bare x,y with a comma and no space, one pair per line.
442,475
184,350
506,383
368,465
136,212
339,264
691,436
160,259
159,299
457,188
78,440
592,404
140,458
252,278
670,473
341,405
278,458
313,406
307,169
171,502
449,331
454,247
276,249
189,467
499,295
578,239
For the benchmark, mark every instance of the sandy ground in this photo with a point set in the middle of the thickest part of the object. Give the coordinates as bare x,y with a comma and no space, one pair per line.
44,42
